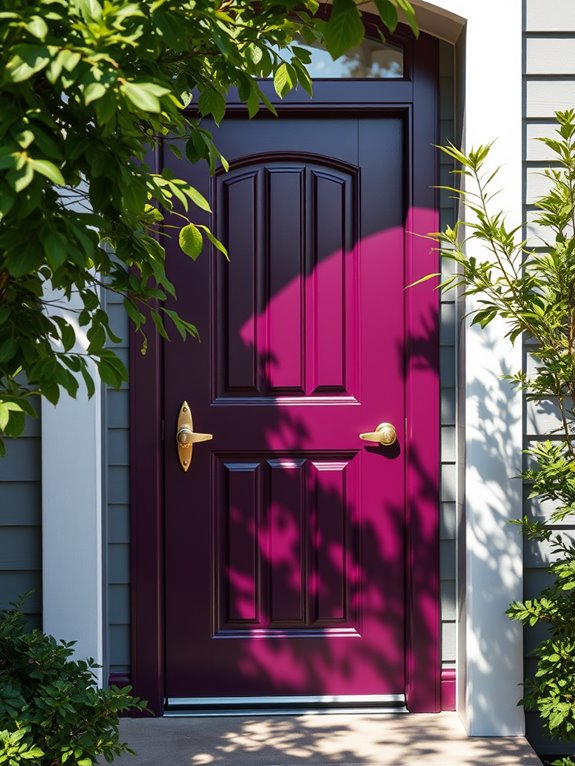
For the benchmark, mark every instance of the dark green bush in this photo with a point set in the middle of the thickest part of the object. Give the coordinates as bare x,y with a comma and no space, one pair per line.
51,711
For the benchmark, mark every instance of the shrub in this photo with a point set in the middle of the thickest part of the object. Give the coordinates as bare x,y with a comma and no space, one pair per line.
51,711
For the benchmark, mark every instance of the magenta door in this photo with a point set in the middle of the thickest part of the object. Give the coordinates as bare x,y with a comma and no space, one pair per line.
285,541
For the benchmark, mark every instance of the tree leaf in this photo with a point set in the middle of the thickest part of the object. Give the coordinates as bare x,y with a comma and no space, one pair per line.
212,102
37,27
70,59
253,101
9,160
159,325
56,248
214,240
407,8
94,91
344,28
24,138
303,76
191,241
388,13
25,261
34,752
8,349
254,53
68,335
89,9
88,382
48,169
28,60
5,409
284,80
142,96
198,199
20,178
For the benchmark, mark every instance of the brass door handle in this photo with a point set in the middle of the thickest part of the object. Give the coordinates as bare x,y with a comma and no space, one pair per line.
186,436
385,434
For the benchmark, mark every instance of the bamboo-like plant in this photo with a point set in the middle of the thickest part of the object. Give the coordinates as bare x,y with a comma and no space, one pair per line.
533,291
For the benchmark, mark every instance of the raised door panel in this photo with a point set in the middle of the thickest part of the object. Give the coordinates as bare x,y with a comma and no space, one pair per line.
286,311
286,546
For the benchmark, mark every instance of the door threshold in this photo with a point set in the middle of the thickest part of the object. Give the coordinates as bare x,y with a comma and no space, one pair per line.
292,705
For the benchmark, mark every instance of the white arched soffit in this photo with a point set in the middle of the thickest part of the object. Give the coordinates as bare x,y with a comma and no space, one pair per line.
490,652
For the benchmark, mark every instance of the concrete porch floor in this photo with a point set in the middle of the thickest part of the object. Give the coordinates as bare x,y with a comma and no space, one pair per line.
314,740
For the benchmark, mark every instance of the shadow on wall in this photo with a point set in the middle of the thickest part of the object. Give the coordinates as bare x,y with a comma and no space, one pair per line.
493,552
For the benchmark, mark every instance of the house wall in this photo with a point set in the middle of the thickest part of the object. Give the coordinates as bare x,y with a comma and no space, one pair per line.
549,85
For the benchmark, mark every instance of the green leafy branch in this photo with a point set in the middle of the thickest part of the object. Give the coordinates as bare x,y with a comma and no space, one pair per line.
87,89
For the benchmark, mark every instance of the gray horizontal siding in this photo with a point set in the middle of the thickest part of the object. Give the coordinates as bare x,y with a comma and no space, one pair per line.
448,332
117,493
549,85
21,523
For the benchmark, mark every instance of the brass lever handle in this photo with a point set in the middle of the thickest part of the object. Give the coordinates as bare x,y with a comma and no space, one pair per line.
385,434
186,436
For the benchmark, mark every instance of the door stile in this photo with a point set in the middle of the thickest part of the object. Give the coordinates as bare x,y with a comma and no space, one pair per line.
146,511
423,657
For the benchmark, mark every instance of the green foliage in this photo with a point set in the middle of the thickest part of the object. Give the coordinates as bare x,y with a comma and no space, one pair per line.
533,290
86,89
51,711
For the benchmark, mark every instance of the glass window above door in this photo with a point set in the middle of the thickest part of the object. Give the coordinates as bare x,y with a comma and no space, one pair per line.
371,60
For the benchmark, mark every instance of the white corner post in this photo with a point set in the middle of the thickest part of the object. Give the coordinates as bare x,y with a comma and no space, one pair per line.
490,557
492,646
72,519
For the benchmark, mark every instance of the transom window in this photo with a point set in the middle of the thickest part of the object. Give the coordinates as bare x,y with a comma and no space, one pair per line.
372,60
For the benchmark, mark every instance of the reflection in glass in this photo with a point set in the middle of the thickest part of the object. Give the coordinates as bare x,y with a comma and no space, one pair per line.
371,60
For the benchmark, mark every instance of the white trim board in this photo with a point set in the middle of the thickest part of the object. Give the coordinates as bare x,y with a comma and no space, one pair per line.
490,557
489,653
72,569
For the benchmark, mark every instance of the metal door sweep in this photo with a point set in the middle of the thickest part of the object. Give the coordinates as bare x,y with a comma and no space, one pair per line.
289,705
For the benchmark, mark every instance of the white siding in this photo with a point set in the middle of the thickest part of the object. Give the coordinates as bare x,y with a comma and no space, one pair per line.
547,54
545,97
550,16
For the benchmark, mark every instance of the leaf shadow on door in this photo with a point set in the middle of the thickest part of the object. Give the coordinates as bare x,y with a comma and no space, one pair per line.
307,578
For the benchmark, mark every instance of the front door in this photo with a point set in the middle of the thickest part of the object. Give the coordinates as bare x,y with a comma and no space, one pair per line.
293,559
285,539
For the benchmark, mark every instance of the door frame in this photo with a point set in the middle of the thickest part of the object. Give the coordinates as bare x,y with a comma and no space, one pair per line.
417,99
